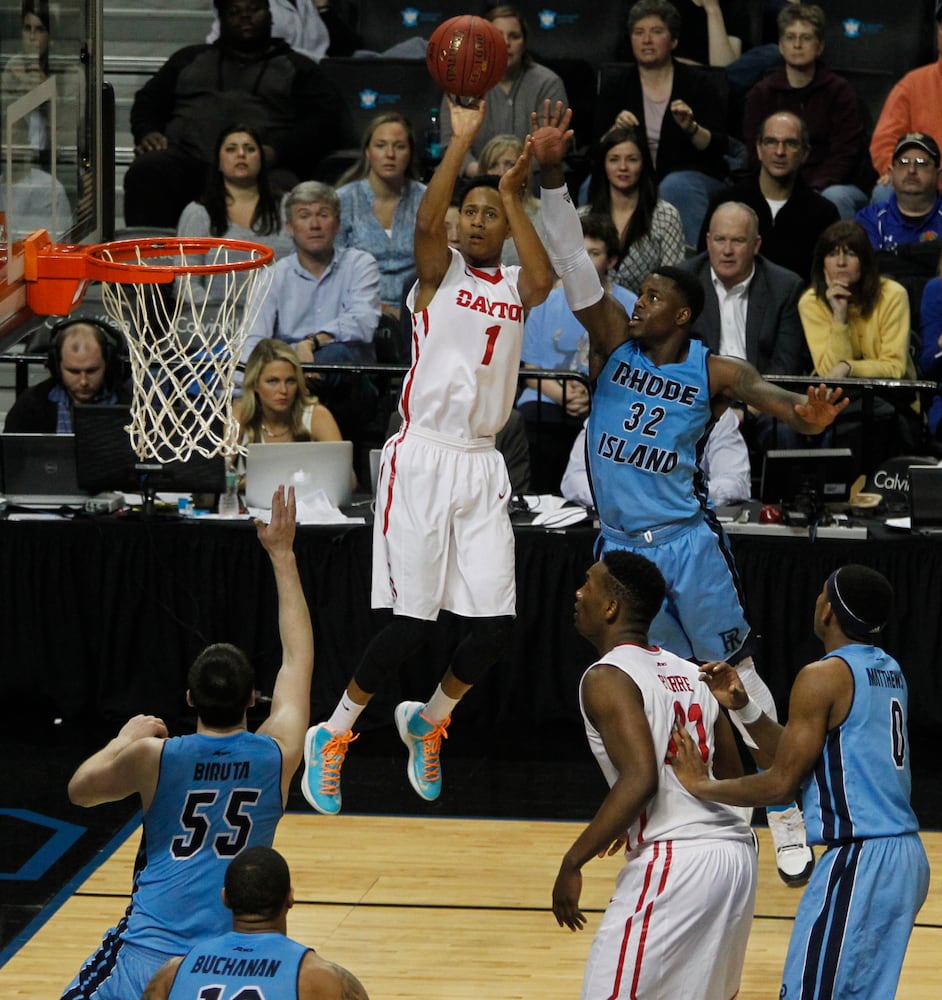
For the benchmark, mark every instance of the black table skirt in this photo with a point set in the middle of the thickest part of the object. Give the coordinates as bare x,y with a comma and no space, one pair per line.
102,617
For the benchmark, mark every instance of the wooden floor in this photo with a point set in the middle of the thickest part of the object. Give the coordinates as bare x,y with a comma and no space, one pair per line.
446,909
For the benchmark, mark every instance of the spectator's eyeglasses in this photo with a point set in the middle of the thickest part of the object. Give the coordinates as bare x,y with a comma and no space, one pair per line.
771,143
918,161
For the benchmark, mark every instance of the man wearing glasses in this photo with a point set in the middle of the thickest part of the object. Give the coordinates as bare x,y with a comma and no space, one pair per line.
791,215
913,212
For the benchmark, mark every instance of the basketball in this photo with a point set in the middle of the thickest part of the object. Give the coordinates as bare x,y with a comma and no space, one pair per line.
466,56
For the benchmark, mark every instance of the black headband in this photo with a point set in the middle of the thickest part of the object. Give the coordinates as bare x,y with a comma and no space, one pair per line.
851,624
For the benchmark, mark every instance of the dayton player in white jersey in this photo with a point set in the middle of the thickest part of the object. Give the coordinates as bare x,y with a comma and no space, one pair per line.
442,537
679,919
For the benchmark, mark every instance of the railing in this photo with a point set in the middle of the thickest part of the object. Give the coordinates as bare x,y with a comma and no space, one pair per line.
899,392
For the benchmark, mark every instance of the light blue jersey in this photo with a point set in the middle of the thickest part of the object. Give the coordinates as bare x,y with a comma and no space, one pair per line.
646,434
646,431
216,795
857,912
861,784
240,965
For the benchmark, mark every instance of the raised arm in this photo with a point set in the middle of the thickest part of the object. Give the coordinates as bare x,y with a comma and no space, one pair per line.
602,315
291,699
536,272
432,253
735,379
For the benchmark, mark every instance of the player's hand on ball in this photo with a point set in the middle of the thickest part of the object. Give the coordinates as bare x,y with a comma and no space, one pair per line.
466,118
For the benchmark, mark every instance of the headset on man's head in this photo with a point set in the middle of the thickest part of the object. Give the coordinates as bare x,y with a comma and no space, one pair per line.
110,340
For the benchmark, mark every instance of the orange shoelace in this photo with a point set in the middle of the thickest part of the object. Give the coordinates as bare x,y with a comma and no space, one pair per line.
333,754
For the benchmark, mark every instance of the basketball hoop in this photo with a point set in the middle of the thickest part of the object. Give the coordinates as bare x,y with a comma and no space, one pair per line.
185,306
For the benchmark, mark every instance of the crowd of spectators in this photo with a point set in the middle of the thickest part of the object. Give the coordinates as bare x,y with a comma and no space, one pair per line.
729,152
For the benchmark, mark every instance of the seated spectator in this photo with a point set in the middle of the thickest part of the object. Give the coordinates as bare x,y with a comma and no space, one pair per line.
791,215
525,86
750,304
913,211
724,464
322,299
379,197
85,368
245,75
275,406
553,339
314,29
237,202
827,104
913,105
930,352
857,325
622,186
856,322
497,157
677,106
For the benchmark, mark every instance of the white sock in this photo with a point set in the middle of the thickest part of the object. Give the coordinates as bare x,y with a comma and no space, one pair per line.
345,714
439,707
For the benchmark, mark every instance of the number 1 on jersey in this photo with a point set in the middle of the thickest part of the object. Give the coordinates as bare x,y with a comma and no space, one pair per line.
491,333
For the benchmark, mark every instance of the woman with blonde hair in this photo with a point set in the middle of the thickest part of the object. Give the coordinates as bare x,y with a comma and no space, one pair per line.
379,197
275,407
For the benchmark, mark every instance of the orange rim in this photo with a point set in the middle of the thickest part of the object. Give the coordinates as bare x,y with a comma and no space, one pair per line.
128,261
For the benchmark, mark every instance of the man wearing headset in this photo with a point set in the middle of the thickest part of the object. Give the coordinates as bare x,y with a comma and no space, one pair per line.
85,367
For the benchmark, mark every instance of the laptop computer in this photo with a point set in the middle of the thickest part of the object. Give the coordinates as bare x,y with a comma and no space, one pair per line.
39,470
308,466
925,499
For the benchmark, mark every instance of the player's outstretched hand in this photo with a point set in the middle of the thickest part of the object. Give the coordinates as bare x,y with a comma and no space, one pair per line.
566,892
725,683
684,755
823,406
277,536
551,133
466,119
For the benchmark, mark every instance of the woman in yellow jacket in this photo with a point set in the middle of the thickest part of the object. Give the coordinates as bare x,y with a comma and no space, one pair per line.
856,321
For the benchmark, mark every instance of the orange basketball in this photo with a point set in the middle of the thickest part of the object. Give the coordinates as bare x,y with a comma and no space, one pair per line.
466,56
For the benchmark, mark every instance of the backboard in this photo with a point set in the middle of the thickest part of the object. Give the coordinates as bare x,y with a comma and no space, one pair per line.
50,135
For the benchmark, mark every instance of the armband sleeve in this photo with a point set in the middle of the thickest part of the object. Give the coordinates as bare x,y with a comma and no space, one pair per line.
567,250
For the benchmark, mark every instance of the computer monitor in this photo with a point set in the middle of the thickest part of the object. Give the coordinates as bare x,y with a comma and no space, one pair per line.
104,459
807,478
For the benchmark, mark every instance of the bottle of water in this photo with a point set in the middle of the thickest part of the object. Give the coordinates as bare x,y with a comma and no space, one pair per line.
433,138
229,501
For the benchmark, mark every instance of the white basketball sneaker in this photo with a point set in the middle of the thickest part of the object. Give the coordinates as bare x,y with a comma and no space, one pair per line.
793,856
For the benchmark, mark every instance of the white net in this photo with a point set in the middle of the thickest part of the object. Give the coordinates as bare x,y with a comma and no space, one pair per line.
185,341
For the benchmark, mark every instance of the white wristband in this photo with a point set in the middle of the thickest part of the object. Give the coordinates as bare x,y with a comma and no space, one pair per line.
749,713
